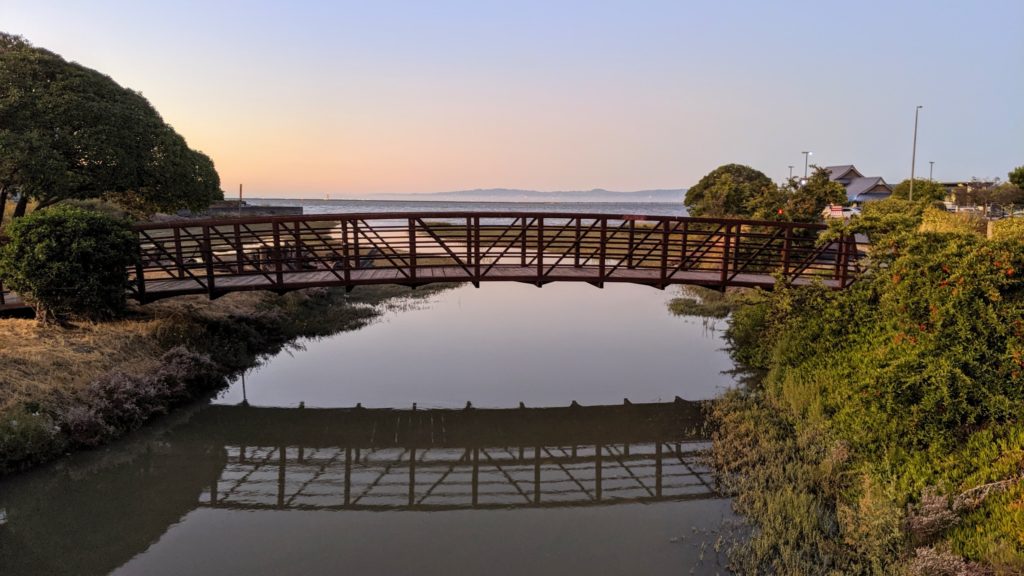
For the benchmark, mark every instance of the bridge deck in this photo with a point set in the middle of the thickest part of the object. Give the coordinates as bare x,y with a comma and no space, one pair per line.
502,273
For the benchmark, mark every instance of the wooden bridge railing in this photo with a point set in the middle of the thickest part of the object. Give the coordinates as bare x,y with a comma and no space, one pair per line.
289,252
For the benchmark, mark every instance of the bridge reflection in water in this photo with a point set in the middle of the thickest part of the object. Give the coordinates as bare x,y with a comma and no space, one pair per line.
96,511
454,459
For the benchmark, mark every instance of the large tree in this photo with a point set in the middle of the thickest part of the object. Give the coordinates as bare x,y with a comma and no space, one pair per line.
726,191
70,132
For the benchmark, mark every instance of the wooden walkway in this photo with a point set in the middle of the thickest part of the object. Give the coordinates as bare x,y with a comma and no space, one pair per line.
284,253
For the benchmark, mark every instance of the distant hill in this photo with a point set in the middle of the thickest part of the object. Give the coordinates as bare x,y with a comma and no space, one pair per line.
596,195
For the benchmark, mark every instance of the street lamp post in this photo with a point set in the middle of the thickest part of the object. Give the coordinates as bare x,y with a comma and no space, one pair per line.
931,169
806,154
913,154
790,171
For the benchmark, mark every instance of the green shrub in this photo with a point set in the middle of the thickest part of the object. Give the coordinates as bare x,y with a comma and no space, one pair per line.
916,373
69,262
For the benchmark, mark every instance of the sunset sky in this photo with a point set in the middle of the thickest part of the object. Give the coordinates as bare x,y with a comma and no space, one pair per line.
350,98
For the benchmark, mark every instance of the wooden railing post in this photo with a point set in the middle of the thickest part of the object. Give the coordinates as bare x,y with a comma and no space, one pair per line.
540,248
278,271
299,247
522,241
664,252
239,253
178,258
140,274
355,245
603,249
844,244
579,242
412,248
785,251
683,255
469,241
838,273
208,259
725,256
346,263
477,257
629,248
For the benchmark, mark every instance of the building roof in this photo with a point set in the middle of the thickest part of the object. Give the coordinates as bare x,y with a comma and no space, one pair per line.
842,171
858,187
865,186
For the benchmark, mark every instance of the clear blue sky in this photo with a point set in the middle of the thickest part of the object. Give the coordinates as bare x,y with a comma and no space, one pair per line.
305,98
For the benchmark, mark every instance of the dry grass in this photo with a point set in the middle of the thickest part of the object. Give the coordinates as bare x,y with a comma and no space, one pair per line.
37,360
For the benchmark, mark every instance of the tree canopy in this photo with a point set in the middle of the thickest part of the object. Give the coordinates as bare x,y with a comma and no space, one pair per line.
726,191
70,132
798,200
1017,177
924,190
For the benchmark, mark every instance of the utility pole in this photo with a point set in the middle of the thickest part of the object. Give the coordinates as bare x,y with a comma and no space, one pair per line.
913,154
790,171
931,170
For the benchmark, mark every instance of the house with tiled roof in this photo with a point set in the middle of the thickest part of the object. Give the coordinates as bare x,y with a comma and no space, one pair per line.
859,188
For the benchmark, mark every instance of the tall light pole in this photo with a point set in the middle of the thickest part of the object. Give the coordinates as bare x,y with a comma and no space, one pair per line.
931,169
913,154
790,171
806,154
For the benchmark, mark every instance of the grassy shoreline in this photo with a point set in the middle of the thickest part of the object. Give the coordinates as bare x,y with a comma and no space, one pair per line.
66,389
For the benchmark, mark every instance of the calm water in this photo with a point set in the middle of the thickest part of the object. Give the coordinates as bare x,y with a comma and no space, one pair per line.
503,344
339,206
266,487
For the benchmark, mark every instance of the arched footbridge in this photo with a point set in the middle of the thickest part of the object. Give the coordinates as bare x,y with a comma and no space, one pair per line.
284,253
